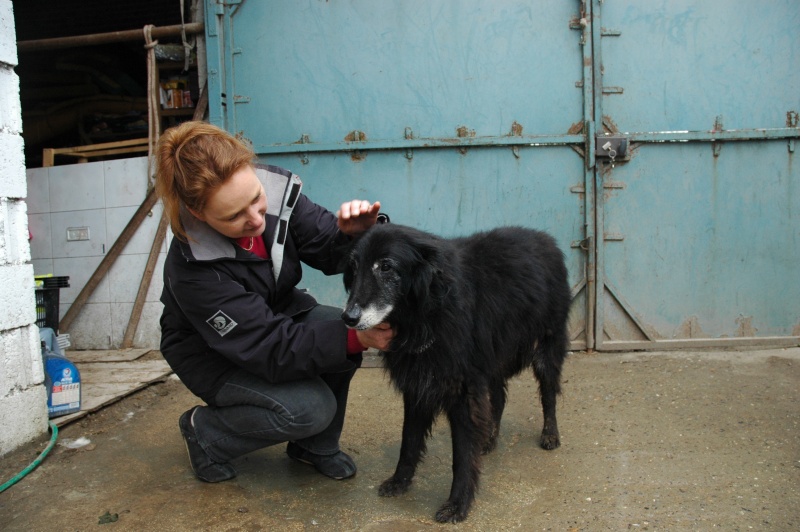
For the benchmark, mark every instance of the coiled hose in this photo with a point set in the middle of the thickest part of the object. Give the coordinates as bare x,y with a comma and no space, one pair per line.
19,476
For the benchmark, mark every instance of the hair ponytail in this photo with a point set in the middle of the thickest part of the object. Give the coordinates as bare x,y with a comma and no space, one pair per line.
193,159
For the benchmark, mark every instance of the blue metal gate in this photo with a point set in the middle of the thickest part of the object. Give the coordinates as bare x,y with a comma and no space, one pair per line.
701,226
461,115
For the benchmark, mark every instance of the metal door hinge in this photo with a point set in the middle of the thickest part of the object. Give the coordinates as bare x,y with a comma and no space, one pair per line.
614,237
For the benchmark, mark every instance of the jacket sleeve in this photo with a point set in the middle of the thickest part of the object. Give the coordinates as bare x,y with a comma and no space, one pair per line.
320,243
238,324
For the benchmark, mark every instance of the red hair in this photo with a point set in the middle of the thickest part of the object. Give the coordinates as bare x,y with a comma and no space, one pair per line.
192,161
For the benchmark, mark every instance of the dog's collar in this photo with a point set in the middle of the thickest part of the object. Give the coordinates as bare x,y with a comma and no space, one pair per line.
424,347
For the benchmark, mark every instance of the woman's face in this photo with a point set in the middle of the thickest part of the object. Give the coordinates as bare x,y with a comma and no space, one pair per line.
237,208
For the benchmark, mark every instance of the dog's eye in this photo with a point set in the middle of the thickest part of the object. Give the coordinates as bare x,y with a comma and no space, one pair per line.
382,265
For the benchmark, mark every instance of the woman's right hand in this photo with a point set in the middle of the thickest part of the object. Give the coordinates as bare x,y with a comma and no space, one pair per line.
356,216
379,337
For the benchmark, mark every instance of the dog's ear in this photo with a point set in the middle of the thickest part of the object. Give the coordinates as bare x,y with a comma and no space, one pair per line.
423,297
347,271
346,266
427,283
348,257
419,291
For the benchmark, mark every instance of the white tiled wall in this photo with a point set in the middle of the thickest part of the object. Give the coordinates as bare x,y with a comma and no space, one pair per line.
102,196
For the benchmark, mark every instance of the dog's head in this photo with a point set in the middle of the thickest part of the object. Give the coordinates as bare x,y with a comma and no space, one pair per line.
393,274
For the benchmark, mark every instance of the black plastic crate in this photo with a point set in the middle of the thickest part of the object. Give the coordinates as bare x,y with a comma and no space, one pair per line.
54,282
47,308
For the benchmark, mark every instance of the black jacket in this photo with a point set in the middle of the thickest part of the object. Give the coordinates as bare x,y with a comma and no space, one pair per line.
224,309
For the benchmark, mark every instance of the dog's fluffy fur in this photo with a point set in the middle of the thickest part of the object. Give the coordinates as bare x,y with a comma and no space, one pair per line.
469,313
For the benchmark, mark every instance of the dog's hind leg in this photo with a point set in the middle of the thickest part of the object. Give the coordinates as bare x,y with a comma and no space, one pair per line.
417,423
498,396
547,369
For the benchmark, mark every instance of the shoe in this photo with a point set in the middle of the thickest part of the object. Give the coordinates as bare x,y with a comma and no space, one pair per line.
337,466
203,466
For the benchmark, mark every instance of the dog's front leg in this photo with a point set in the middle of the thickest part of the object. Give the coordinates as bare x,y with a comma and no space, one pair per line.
469,425
417,422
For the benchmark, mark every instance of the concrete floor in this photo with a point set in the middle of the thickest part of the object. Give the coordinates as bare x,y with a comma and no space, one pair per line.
681,441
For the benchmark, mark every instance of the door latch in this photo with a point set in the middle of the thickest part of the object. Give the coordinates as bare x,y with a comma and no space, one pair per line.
612,147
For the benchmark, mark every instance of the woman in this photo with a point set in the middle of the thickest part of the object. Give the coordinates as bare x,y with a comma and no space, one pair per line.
270,363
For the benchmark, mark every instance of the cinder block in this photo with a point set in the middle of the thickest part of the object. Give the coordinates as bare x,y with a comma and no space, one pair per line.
18,232
17,297
10,107
32,343
23,416
13,183
20,358
8,34
14,245
5,238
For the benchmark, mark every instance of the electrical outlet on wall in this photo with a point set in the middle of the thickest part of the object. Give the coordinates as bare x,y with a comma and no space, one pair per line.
77,233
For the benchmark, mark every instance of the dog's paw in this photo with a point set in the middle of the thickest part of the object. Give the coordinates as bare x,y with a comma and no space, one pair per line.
451,512
393,487
550,441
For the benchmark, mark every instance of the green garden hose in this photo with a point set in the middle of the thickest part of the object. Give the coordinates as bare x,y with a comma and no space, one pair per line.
32,466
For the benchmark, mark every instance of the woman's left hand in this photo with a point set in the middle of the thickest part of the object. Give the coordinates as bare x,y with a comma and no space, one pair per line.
356,216
380,337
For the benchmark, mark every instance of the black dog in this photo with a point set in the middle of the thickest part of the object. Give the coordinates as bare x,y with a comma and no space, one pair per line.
469,314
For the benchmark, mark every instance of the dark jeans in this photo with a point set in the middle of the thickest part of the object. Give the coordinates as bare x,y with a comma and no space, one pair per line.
252,413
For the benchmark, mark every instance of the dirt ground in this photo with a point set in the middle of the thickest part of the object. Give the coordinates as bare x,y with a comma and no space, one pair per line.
650,441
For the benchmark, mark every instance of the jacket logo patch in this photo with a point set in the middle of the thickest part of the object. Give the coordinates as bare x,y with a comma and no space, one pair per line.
221,322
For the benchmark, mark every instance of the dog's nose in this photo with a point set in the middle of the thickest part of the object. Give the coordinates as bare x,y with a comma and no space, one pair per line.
351,315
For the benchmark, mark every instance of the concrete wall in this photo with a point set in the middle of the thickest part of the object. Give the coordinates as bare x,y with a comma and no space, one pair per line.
23,402
101,197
